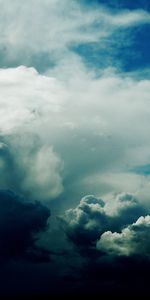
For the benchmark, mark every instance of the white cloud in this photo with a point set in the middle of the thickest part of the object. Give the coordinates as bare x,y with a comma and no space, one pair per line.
102,123
133,240
51,27
43,174
27,166
131,18
30,168
25,96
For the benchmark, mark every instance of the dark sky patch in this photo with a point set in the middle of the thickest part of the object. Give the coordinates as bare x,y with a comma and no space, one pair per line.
20,221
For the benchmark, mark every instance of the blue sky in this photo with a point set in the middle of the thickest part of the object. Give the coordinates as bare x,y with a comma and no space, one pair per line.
127,50
121,4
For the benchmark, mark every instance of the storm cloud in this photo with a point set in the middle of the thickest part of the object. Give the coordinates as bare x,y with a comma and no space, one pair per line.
111,238
20,222
92,217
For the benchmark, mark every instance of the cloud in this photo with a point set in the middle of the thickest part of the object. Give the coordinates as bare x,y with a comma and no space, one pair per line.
33,169
118,259
20,222
83,116
50,28
84,224
92,217
43,179
27,163
131,18
72,110
125,208
133,240
68,130
25,96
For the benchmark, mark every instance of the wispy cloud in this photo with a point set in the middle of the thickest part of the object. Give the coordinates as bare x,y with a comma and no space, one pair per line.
54,26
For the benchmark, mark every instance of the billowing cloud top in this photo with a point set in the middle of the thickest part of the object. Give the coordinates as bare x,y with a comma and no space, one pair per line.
89,118
133,240
92,217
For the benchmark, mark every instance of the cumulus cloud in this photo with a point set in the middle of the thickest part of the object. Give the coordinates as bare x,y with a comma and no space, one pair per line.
25,96
83,116
27,164
118,258
33,169
133,240
84,223
92,217
71,110
43,179
124,209
20,222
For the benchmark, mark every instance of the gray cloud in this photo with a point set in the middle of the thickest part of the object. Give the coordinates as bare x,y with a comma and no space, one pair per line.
84,224
30,168
92,217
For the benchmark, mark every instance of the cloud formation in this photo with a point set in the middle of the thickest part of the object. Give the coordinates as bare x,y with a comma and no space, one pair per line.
119,258
92,217
84,116
25,96
73,125
32,169
42,178
133,240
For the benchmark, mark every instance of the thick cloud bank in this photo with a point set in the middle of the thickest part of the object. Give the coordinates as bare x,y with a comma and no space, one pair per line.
44,118
20,221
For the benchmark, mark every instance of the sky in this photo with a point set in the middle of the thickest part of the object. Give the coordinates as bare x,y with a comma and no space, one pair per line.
74,148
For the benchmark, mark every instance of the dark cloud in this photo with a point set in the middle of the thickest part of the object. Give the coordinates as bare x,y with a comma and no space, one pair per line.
93,271
122,277
20,222
92,217
84,223
118,261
